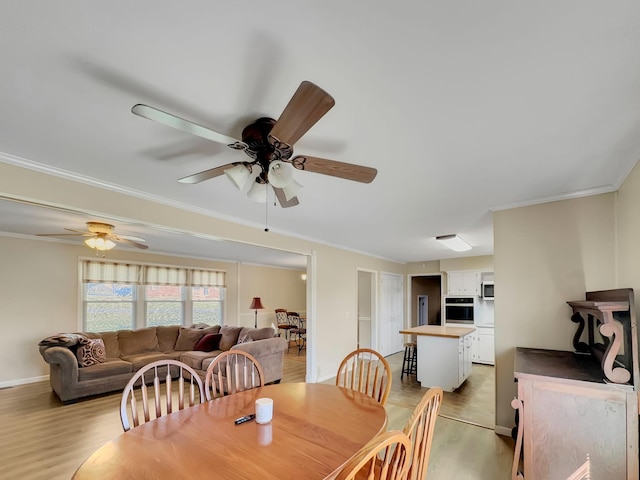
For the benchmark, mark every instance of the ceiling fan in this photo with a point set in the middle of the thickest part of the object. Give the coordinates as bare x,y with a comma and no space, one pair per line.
269,144
101,236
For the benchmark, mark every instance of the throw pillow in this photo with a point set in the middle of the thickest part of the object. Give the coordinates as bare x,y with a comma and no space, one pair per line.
91,352
187,338
245,339
62,340
229,337
208,343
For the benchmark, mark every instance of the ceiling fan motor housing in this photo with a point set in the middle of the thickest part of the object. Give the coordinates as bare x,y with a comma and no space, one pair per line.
98,227
262,148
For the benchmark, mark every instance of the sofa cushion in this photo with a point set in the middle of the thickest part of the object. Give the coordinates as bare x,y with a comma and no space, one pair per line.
167,336
104,370
229,337
208,343
257,333
187,338
196,359
139,360
91,352
142,340
111,344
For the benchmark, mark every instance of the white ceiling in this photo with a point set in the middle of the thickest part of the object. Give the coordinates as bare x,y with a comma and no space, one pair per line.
462,106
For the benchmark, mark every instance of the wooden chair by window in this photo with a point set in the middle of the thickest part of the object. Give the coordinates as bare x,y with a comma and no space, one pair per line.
419,429
282,320
153,374
385,457
299,331
583,472
365,371
232,371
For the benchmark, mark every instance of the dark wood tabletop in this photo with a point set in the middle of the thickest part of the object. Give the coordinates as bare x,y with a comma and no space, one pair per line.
315,429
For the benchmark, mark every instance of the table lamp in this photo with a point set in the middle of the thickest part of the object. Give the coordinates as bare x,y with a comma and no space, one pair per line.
255,305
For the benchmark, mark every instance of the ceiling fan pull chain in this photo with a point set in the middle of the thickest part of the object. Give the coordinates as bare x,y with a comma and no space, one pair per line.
266,210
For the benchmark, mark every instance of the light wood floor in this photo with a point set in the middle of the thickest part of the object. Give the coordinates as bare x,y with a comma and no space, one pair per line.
44,440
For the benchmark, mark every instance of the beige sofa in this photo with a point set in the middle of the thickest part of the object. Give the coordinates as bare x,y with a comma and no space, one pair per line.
80,366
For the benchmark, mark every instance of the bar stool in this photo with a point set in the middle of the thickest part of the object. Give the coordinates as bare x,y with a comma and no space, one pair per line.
410,360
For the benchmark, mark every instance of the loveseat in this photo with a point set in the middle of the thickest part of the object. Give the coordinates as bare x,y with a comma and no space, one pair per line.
84,364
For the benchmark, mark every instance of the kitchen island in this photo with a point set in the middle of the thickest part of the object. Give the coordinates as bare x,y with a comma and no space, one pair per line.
444,355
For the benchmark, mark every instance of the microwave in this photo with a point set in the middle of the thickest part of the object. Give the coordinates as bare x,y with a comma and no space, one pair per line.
487,290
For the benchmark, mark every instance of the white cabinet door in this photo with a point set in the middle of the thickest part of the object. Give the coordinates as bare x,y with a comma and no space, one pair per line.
463,283
468,350
486,348
460,361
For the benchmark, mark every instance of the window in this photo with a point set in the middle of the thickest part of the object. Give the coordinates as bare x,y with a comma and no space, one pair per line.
164,305
108,306
207,305
120,296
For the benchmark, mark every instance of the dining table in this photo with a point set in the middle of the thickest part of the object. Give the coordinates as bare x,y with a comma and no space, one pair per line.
314,430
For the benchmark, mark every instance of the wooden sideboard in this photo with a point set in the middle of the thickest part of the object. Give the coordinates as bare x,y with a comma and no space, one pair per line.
572,404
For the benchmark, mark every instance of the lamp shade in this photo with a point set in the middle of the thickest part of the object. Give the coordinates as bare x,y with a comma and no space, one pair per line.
280,174
258,192
454,242
239,175
256,304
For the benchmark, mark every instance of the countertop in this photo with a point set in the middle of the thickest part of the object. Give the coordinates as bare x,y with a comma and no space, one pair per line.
438,331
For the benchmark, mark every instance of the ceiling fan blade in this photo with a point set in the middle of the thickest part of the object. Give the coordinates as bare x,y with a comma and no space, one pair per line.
170,120
130,237
79,234
208,174
348,171
118,238
282,199
306,107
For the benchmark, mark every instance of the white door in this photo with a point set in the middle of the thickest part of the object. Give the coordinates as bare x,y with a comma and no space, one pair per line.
391,314
366,308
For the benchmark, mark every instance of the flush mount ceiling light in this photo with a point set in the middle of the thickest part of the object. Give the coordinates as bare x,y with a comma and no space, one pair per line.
454,242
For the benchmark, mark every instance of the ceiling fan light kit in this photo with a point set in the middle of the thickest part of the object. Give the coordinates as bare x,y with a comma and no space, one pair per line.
454,242
239,175
99,243
280,174
269,145
258,192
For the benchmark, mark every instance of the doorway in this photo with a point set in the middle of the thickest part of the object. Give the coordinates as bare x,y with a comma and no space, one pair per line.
366,308
423,310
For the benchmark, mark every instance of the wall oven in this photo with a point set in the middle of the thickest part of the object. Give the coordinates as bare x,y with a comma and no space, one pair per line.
459,310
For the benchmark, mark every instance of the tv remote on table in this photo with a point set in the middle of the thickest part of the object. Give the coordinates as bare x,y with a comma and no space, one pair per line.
244,419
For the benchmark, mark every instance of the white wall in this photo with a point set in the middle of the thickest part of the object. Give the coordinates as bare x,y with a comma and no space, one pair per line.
332,319
544,256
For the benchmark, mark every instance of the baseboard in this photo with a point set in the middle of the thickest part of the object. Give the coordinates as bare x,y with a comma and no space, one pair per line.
23,381
504,431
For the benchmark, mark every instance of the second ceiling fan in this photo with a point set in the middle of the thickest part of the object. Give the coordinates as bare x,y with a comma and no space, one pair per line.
269,144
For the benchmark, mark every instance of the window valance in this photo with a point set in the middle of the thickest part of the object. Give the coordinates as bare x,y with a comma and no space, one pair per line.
136,274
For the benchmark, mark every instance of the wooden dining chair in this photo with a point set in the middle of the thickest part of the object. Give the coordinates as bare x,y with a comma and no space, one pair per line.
365,371
232,371
385,457
137,402
583,472
419,429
